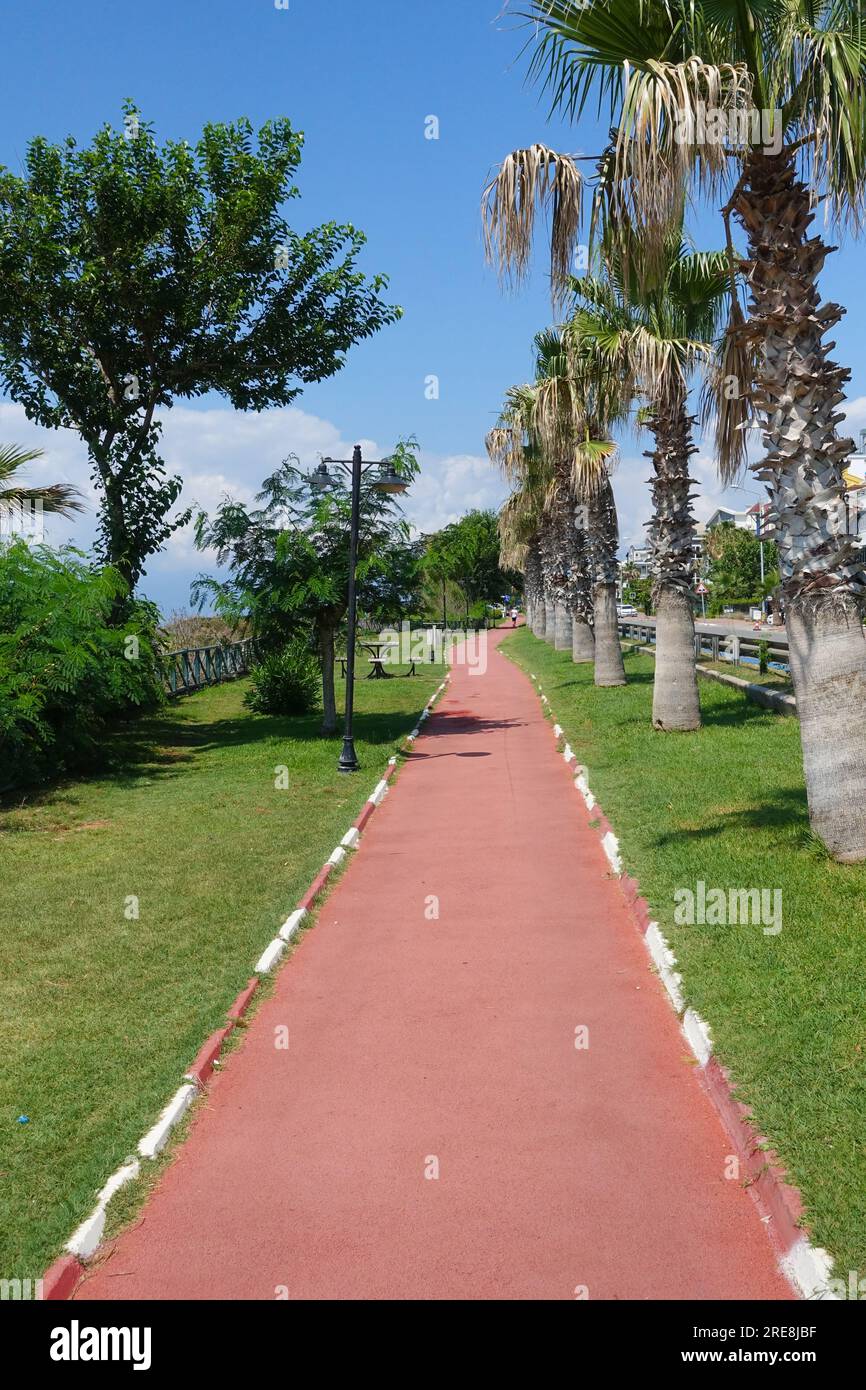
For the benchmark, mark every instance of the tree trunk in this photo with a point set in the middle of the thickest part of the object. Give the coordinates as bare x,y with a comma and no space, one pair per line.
582,641
827,653
550,621
532,576
580,595
329,699
604,541
822,584
676,705
609,668
561,627
675,684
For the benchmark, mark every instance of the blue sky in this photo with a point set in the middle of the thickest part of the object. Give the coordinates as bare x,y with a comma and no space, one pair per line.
360,81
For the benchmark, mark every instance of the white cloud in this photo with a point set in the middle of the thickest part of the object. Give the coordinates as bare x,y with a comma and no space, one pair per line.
219,452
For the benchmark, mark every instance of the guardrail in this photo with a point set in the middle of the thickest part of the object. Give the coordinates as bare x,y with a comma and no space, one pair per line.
193,668
728,645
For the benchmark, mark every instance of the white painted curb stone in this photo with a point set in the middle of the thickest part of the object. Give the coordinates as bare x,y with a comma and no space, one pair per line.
557,731
809,1267
157,1138
610,845
665,961
351,838
378,793
336,856
697,1036
270,955
291,924
567,754
85,1241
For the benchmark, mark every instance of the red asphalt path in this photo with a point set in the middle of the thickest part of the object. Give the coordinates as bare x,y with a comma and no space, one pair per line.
414,1042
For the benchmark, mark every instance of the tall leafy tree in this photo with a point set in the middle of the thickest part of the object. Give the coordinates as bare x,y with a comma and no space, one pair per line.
784,81
133,274
288,561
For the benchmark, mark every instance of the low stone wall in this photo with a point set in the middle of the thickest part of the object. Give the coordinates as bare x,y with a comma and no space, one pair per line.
761,694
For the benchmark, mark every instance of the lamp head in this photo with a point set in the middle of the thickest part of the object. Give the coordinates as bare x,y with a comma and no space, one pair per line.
389,479
320,479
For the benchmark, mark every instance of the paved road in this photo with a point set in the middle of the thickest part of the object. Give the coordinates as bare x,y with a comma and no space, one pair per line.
432,1132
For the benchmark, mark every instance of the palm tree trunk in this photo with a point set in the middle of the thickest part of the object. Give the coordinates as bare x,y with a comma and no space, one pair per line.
546,618
582,641
798,388
604,540
676,705
580,597
561,627
609,668
532,578
827,653
550,620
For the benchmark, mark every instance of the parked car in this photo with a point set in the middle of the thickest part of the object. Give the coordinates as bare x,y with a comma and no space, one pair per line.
626,610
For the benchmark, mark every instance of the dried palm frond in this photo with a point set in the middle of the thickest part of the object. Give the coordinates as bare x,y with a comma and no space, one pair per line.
592,462
726,396
532,180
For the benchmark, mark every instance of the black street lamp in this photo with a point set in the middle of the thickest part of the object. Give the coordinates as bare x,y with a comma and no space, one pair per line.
388,480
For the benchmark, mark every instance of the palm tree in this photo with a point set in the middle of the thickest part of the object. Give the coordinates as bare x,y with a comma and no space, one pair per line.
783,81
654,323
557,427
60,499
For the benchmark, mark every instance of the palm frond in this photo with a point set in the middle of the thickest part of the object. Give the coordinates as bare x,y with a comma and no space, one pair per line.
59,499
529,181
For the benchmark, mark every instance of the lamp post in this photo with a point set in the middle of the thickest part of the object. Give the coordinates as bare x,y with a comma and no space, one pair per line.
388,480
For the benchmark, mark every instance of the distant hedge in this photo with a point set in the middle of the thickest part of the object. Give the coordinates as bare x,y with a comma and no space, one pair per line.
65,675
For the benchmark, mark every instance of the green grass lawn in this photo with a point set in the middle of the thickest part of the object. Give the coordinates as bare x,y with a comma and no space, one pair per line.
727,806
100,1013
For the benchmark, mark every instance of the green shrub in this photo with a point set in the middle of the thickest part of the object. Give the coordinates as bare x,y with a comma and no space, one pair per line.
64,673
285,682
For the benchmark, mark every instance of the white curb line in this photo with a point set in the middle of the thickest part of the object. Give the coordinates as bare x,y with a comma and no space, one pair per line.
665,962
336,856
351,838
85,1240
697,1034
291,924
610,845
378,793
809,1268
270,955
157,1138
